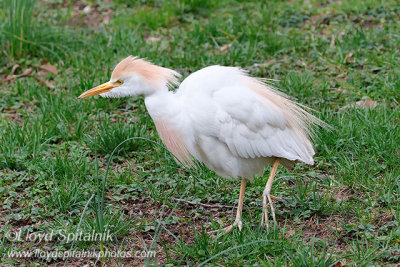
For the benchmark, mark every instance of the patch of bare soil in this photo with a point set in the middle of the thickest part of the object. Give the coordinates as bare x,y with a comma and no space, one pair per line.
328,229
180,228
145,213
91,16
15,116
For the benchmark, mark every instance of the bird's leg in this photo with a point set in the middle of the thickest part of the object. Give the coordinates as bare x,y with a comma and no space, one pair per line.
267,196
238,220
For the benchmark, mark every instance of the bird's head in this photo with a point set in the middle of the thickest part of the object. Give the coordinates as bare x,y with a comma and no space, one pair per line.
135,76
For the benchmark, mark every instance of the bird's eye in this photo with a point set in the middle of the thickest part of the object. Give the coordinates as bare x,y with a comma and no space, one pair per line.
120,82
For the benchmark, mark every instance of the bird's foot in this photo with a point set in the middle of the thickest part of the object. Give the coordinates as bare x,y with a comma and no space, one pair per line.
237,223
267,199
229,228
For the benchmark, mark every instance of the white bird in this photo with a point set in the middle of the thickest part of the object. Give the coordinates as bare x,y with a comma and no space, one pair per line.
233,123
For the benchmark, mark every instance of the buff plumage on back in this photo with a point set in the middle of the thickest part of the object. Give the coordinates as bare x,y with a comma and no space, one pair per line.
153,74
298,118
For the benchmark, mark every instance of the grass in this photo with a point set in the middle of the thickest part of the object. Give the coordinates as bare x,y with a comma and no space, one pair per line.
18,25
328,55
25,34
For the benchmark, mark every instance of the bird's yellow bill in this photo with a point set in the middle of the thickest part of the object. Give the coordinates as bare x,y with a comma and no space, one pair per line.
105,87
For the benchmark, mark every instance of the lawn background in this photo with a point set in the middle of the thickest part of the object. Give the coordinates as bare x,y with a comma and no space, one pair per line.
341,58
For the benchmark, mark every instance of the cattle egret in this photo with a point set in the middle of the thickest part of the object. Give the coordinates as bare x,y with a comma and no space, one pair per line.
233,123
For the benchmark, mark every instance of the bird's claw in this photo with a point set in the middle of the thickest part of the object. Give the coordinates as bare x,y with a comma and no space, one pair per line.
229,228
267,199
239,225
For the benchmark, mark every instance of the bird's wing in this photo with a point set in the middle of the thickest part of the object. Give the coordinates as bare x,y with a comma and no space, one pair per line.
252,125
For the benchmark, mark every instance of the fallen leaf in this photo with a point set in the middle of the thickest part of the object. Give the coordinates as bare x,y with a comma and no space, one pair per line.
49,84
49,68
152,39
27,72
11,77
339,90
107,18
340,35
367,103
290,233
225,47
349,59
302,63
332,44
266,64
14,68
41,73
218,220
338,264
87,9
45,83
263,65
341,76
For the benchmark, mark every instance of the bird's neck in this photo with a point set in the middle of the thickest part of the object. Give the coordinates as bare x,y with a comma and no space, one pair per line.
162,104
